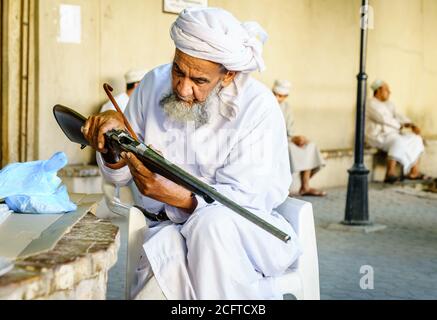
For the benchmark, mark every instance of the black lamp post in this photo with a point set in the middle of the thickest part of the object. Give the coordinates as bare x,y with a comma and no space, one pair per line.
357,202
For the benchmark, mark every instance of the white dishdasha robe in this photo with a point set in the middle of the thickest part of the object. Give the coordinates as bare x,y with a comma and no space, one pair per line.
307,157
383,131
242,152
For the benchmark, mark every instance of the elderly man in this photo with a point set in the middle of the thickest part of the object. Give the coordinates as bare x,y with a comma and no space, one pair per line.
305,157
384,131
206,114
132,78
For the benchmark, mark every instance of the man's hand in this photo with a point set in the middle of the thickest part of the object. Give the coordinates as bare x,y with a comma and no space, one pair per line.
157,187
300,141
96,126
413,127
416,129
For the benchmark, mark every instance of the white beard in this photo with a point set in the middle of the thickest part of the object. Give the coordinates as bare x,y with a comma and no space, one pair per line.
179,111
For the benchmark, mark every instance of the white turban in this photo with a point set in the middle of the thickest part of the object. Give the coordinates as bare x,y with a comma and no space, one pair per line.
282,87
216,35
134,75
376,84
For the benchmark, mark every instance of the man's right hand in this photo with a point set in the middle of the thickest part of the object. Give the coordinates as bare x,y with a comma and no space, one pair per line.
413,127
416,129
96,126
300,141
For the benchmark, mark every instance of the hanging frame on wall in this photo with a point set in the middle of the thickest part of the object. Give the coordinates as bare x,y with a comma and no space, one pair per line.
176,6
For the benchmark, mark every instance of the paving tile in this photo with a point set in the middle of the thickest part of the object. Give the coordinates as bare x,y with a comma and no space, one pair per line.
403,256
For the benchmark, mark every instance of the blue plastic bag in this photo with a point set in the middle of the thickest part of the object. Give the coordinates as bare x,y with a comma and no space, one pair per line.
53,203
34,187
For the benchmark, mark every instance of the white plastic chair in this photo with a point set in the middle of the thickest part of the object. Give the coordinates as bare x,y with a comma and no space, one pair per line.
301,280
137,226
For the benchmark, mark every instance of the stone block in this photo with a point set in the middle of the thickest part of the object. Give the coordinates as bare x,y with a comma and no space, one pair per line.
77,268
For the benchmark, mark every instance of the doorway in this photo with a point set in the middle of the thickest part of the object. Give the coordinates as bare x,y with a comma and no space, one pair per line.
17,80
1,83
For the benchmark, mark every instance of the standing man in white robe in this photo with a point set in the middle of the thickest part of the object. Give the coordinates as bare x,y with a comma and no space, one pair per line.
132,78
206,114
384,131
305,156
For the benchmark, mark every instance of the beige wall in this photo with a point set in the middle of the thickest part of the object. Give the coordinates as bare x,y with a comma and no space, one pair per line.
69,74
403,50
313,43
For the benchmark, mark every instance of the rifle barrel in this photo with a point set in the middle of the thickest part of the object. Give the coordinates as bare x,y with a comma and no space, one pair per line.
122,141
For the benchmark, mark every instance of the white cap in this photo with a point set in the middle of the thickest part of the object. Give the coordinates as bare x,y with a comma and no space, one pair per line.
135,75
376,84
282,87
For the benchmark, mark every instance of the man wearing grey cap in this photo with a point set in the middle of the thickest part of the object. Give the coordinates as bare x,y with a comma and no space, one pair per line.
132,78
305,157
384,131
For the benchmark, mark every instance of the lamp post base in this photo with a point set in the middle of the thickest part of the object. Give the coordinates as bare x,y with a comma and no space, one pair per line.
357,202
370,228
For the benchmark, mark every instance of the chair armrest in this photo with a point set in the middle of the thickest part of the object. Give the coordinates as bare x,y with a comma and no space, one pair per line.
112,200
300,215
137,227
291,210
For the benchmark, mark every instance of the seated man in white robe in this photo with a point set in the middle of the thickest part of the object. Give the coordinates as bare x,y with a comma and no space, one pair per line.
206,114
305,156
132,78
384,131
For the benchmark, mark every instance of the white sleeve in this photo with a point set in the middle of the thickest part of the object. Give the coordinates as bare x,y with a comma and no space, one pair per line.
289,121
179,216
374,114
400,117
257,173
120,177
107,106
136,110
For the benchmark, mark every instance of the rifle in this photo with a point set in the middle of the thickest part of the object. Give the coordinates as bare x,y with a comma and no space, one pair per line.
117,141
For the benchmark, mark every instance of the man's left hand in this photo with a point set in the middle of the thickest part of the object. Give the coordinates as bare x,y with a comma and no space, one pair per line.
300,141
157,187
416,129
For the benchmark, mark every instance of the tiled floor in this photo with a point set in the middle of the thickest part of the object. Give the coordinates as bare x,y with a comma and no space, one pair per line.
402,258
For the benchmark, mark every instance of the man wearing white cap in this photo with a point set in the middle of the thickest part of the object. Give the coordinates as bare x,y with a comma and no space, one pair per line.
132,78
305,156
384,131
206,114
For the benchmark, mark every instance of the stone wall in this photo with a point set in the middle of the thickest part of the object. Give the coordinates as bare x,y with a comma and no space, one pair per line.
77,268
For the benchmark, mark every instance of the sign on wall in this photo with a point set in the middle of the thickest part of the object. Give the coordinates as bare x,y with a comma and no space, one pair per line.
176,6
69,24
